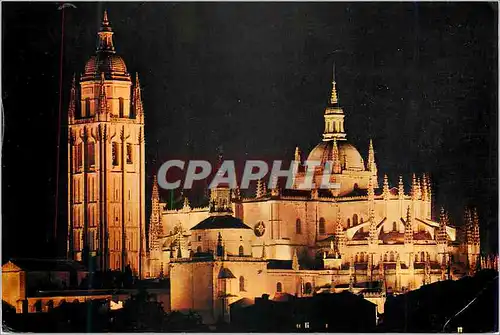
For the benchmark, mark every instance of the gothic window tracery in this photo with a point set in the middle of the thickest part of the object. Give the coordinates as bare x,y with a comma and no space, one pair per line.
115,154
129,153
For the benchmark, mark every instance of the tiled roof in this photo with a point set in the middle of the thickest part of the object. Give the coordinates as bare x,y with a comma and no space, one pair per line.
221,222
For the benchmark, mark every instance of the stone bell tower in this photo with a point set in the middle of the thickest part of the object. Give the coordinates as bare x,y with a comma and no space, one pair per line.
106,163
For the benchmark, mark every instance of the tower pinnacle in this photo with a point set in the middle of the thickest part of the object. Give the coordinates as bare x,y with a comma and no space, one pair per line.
105,36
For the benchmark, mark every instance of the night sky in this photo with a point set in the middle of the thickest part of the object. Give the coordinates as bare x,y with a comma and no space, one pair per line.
254,78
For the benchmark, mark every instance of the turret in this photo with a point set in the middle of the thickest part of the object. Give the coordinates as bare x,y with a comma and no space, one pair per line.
401,188
137,101
442,237
385,190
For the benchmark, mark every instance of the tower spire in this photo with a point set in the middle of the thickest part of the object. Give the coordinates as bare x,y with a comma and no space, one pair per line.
385,191
105,36
334,115
408,227
137,99
333,96
372,166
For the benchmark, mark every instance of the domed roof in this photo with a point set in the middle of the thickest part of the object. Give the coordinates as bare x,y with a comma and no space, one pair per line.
105,60
350,159
110,64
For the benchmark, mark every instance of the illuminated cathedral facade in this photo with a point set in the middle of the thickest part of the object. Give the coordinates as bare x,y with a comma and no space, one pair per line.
359,237
281,241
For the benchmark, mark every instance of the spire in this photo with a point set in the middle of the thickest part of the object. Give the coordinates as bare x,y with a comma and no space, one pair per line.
371,211
414,187
105,36
275,191
103,100
401,188
408,227
443,221
334,116
186,203
333,96
295,260
475,227
261,189
424,188
372,166
385,191
336,157
72,100
137,99
297,157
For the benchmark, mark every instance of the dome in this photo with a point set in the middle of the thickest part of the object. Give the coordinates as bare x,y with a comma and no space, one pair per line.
350,159
110,64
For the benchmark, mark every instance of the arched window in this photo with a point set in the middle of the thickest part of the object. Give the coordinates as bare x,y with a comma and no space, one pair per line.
422,256
241,251
298,227
355,219
321,226
416,257
120,106
394,226
242,284
356,259
279,287
38,306
87,107
362,258
391,256
198,249
385,257
308,288
348,223
90,154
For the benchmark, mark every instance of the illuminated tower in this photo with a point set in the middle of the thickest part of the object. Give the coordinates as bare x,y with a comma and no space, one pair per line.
106,221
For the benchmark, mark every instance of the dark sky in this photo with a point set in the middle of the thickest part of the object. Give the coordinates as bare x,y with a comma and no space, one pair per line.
254,78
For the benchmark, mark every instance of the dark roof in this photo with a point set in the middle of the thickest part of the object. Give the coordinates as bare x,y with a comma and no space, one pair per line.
221,222
279,264
225,273
33,264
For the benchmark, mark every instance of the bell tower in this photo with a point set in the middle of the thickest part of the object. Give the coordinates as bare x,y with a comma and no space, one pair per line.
106,163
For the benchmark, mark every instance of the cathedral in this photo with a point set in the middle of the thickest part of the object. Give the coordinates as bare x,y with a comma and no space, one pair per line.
365,237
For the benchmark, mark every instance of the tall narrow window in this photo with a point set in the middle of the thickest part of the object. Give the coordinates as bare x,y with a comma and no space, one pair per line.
78,156
298,227
321,226
87,107
394,226
355,219
121,106
348,223
241,251
308,288
242,284
90,155
391,256
92,240
279,287
115,154
129,153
